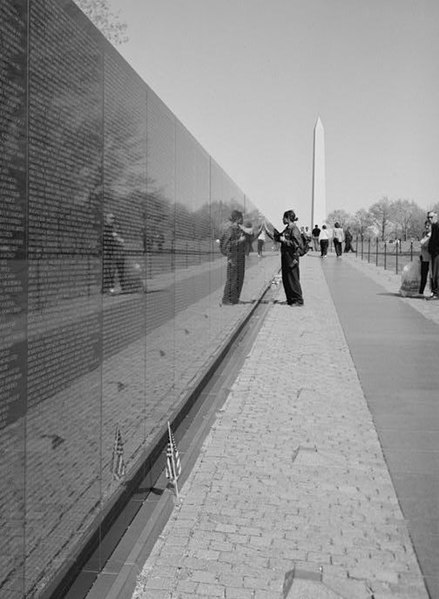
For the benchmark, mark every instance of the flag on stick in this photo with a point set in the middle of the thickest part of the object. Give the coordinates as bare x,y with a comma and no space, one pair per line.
173,465
117,462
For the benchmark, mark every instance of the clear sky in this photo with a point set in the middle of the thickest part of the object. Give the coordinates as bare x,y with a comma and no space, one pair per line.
249,79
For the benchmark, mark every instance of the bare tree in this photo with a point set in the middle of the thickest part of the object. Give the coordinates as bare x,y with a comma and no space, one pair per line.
361,222
407,218
108,22
339,216
381,213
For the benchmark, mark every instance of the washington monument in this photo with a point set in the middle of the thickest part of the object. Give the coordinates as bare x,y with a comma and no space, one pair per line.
318,209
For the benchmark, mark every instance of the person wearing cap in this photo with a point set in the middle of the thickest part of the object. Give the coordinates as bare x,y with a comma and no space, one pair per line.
291,243
233,246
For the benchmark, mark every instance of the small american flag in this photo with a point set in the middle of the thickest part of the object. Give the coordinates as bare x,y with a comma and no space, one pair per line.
117,462
173,465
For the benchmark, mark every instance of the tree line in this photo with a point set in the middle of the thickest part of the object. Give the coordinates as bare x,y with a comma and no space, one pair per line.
385,219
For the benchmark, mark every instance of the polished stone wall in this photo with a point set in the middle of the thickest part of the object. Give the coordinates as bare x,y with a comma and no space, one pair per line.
102,327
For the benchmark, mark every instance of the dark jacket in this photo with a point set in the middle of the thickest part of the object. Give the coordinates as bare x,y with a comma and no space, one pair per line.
232,243
290,247
433,244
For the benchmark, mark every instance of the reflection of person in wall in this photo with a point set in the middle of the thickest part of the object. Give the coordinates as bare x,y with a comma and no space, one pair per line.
233,246
113,256
159,239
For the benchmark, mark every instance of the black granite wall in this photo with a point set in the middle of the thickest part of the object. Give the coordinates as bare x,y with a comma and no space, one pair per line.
101,328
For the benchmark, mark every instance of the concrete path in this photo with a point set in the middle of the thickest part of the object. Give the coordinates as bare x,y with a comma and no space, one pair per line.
395,347
291,495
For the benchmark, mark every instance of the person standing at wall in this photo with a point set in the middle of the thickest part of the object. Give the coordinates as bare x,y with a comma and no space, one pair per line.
324,241
433,249
315,237
113,256
233,246
292,246
338,238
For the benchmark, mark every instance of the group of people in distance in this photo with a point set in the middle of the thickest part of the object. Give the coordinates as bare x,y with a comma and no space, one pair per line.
294,243
321,238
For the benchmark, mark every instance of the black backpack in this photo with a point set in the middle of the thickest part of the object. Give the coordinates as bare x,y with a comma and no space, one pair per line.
303,248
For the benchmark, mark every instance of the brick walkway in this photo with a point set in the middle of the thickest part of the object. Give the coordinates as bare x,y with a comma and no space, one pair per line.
290,496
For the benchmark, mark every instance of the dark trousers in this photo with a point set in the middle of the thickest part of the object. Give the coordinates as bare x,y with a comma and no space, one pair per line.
234,281
434,265
324,243
424,274
337,246
291,282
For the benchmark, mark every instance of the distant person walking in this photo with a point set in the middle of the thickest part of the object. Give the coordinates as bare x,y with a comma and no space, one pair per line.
433,249
308,238
348,241
338,238
292,247
233,246
261,240
324,241
247,229
425,257
315,238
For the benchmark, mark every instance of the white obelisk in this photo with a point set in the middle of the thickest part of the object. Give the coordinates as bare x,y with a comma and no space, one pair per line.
318,209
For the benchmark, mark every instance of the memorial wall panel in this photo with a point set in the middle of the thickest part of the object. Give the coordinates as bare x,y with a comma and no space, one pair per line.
13,293
124,278
64,318
161,239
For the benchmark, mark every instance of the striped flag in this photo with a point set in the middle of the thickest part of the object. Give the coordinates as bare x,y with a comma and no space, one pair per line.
117,462
173,465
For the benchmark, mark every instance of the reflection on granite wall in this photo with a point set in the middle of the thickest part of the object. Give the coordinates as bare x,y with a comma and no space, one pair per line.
110,278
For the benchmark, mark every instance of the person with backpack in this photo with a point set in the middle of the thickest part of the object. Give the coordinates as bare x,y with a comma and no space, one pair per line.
233,246
292,247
